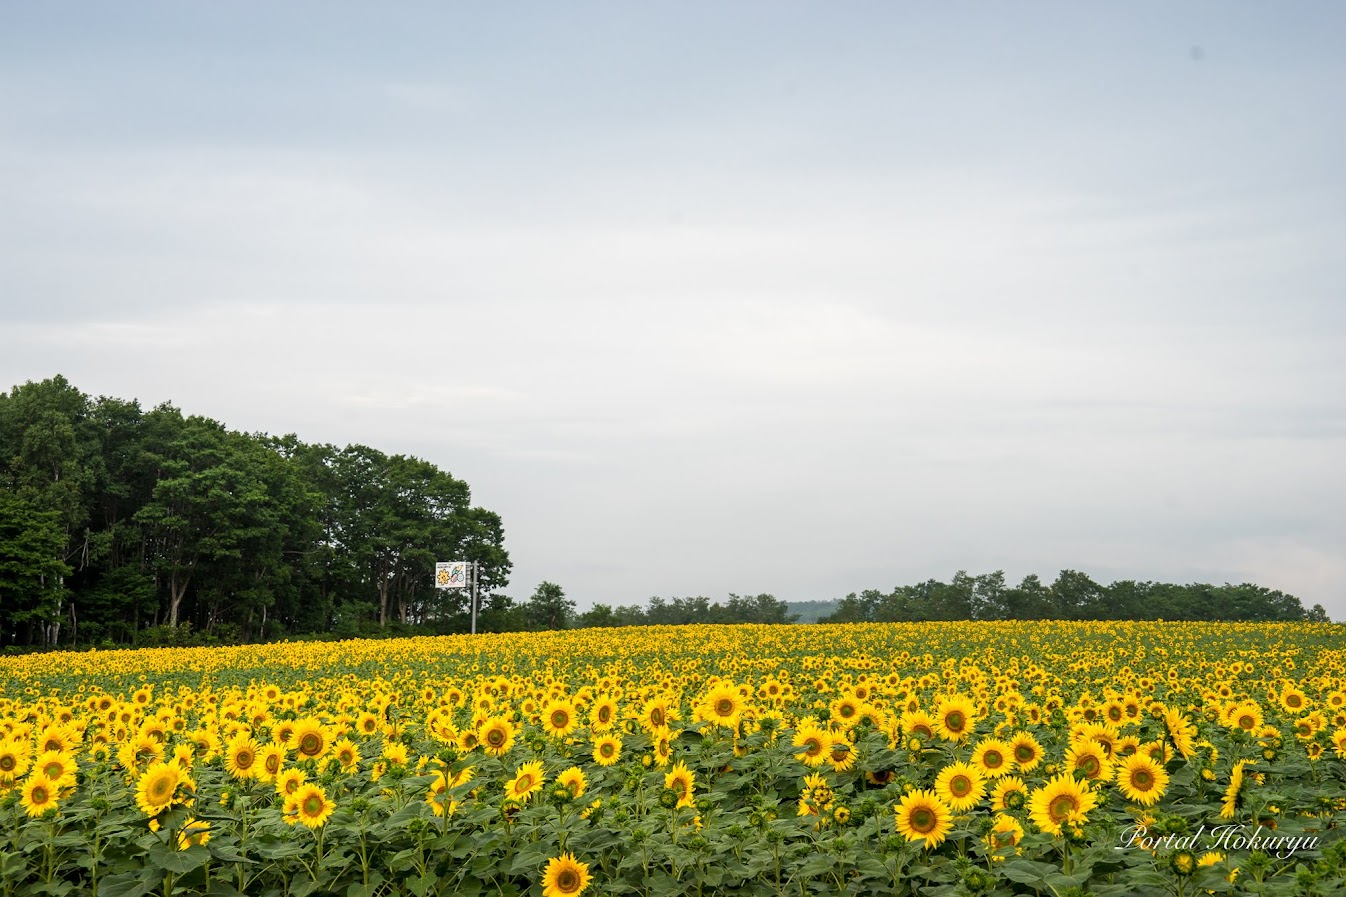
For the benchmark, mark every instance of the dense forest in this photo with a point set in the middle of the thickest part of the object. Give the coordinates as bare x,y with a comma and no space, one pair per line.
120,525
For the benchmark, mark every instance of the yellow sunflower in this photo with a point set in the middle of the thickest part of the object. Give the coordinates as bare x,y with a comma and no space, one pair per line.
918,723
157,787
663,746
955,718
289,780
607,750
154,728
58,767
1309,725
444,782
527,779
14,761
603,714
310,739
558,718
39,795
960,785
282,732
240,756
574,781
1182,731
194,833
875,716
1142,780
137,753
681,780
57,737
1090,758
347,754
1246,715
1008,793
845,711
184,754
496,736
435,795
565,877
816,797
841,752
814,742
924,816
724,705
1005,834
1229,805
1062,800
1156,751
1105,734
1292,699
270,761
993,758
207,744
656,714
309,806
395,752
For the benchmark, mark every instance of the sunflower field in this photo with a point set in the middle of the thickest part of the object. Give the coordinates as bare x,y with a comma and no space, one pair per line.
925,759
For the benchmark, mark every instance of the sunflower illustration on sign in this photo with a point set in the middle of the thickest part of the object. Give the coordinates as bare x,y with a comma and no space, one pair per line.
451,575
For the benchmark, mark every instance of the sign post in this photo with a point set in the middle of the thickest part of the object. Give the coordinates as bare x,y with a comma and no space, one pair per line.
474,597
459,575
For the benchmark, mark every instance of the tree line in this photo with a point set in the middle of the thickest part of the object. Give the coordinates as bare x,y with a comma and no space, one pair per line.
1072,596
681,611
120,525
549,608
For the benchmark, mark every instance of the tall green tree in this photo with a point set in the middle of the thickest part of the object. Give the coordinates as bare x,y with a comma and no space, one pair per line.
207,506
44,456
549,608
31,570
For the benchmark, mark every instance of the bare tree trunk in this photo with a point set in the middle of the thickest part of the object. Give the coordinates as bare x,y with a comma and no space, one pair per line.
54,627
177,590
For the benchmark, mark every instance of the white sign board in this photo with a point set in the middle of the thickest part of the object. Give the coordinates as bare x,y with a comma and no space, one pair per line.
451,575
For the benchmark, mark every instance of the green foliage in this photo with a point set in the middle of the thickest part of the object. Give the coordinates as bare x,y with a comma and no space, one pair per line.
549,608
756,825
761,608
115,522
31,570
1073,596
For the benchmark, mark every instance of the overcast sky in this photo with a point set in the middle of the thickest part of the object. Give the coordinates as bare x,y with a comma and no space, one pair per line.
707,298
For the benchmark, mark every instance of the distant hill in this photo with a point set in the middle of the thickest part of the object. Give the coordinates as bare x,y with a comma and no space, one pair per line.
811,611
